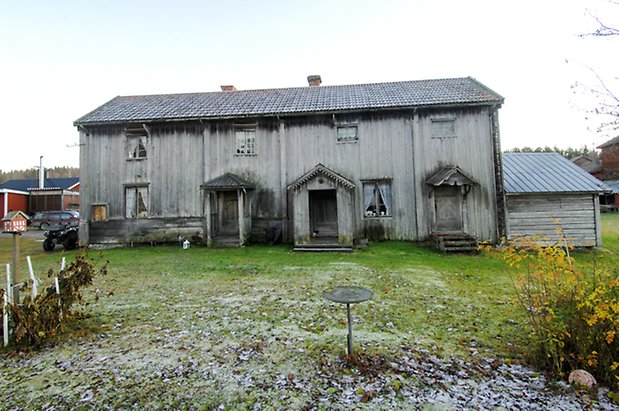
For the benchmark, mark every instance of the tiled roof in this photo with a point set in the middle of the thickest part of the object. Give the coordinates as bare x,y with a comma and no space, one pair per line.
25,184
227,181
546,173
318,99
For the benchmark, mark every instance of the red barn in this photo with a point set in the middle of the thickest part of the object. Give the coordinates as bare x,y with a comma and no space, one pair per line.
25,195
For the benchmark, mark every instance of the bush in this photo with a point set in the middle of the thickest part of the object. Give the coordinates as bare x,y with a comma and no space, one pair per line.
42,319
573,315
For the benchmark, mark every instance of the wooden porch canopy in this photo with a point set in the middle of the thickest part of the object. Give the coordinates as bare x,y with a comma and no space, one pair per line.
327,172
228,183
451,176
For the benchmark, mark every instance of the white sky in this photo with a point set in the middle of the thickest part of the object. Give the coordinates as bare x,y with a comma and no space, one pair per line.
61,59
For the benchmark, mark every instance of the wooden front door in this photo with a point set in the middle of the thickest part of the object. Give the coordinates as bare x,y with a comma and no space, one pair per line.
323,213
230,213
448,209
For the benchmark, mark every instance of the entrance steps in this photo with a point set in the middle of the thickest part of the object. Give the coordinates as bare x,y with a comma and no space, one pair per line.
324,247
455,242
226,241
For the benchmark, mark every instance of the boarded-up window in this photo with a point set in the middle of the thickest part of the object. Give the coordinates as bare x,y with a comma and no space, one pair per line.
347,134
245,141
136,144
99,212
443,127
377,199
136,202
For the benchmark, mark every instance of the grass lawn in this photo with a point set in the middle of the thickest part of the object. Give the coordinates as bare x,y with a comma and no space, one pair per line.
247,328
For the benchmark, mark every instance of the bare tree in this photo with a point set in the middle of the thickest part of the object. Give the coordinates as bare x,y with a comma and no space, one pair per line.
606,103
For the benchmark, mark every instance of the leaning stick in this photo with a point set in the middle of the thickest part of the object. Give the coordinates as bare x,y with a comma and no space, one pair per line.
35,290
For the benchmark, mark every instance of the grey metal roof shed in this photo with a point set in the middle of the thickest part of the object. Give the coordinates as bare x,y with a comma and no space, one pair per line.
547,173
552,200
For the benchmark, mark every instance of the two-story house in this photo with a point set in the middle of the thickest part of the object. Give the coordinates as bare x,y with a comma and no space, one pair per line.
309,165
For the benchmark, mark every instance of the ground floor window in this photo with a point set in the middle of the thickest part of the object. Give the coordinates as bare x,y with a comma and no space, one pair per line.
136,202
99,212
377,199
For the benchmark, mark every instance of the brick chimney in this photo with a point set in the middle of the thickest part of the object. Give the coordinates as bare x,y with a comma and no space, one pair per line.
228,87
314,80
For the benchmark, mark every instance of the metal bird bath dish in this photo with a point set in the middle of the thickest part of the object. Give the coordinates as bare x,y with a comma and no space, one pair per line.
348,295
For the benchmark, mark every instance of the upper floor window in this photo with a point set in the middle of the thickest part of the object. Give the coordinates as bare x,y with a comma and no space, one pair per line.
377,198
443,127
245,141
136,144
347,133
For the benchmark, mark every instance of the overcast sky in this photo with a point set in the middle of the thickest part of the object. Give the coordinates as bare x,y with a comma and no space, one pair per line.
62,59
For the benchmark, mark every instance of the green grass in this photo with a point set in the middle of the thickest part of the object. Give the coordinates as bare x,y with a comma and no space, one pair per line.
217,306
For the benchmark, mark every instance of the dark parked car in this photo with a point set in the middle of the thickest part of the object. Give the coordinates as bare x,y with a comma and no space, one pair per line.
47,219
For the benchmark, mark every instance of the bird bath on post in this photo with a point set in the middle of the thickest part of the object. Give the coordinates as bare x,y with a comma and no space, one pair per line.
348,295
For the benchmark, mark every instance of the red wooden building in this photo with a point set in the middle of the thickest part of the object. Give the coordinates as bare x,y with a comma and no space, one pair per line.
25,195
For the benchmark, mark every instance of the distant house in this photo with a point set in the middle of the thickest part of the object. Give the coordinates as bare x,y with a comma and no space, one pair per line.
609,154
315,165
610,201
590,163
27,196
548,196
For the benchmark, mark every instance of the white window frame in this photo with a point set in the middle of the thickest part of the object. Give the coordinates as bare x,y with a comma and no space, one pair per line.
245,143
343,135
377,198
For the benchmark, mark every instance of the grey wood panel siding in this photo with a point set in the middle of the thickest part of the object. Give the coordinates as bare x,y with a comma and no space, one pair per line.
396,145
261,169
174,171
472,150
383,149
540,215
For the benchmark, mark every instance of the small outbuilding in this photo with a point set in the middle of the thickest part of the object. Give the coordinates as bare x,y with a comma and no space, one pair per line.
549,197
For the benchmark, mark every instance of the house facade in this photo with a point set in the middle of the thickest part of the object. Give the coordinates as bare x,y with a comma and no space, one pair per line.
307,165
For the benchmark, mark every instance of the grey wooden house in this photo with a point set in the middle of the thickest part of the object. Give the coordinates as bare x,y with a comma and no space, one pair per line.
307,165
549,198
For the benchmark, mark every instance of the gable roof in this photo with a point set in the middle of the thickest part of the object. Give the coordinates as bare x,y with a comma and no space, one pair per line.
287,101
609,143
227,182
546,173
452,176
324,171
26,184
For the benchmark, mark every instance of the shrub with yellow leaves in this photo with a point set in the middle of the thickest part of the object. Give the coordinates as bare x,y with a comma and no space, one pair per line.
573,314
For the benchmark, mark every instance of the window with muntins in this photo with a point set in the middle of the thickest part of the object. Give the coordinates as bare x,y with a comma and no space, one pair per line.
347,134
136,202
245,141
377,199
443,128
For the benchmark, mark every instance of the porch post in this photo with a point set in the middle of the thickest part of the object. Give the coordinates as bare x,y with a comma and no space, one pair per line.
240,198
207,217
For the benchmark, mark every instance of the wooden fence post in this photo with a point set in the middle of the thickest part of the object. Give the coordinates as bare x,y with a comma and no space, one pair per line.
5,307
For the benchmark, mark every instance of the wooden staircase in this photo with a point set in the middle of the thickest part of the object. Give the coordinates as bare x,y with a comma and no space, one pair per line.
455,242
226,241
324,247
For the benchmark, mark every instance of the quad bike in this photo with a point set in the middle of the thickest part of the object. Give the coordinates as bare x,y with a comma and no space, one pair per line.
67,235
